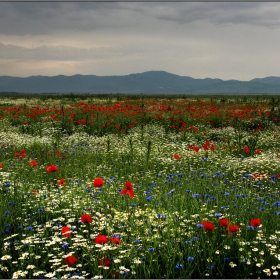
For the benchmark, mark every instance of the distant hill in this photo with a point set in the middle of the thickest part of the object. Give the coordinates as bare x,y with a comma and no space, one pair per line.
151,82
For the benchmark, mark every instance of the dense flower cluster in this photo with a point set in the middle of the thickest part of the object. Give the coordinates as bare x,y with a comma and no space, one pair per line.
140,189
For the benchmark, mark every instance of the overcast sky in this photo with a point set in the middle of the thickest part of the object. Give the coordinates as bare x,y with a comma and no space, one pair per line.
227,40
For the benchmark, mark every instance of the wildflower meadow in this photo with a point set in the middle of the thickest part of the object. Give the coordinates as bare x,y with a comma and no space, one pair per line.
135,187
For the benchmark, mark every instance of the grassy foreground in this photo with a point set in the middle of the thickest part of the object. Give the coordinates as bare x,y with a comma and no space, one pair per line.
139,188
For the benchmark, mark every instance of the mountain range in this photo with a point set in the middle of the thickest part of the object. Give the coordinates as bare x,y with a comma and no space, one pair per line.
151,82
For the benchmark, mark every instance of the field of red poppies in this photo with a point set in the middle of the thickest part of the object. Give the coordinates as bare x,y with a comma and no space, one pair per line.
134,187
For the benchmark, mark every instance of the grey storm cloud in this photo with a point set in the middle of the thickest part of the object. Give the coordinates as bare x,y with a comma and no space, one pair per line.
23,18
254,13
199,39
39,18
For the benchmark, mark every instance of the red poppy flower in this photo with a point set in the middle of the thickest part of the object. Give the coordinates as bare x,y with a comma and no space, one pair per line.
105,262
196,149
98,182
70,260
86,218
246,150
128,189
66,231
115,240
232,228
33,163
1,166
20,154
59,154
224,222
258,151
255,222
208,226
100,239
52,168
213,148
34,192
176,156
61,182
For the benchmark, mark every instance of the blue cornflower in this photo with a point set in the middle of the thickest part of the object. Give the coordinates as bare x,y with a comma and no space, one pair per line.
196,195
199,226
149,198
277,203
65,246
151,249
218,214
190,259
75,274
251,227
29,228
188,191
179,266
